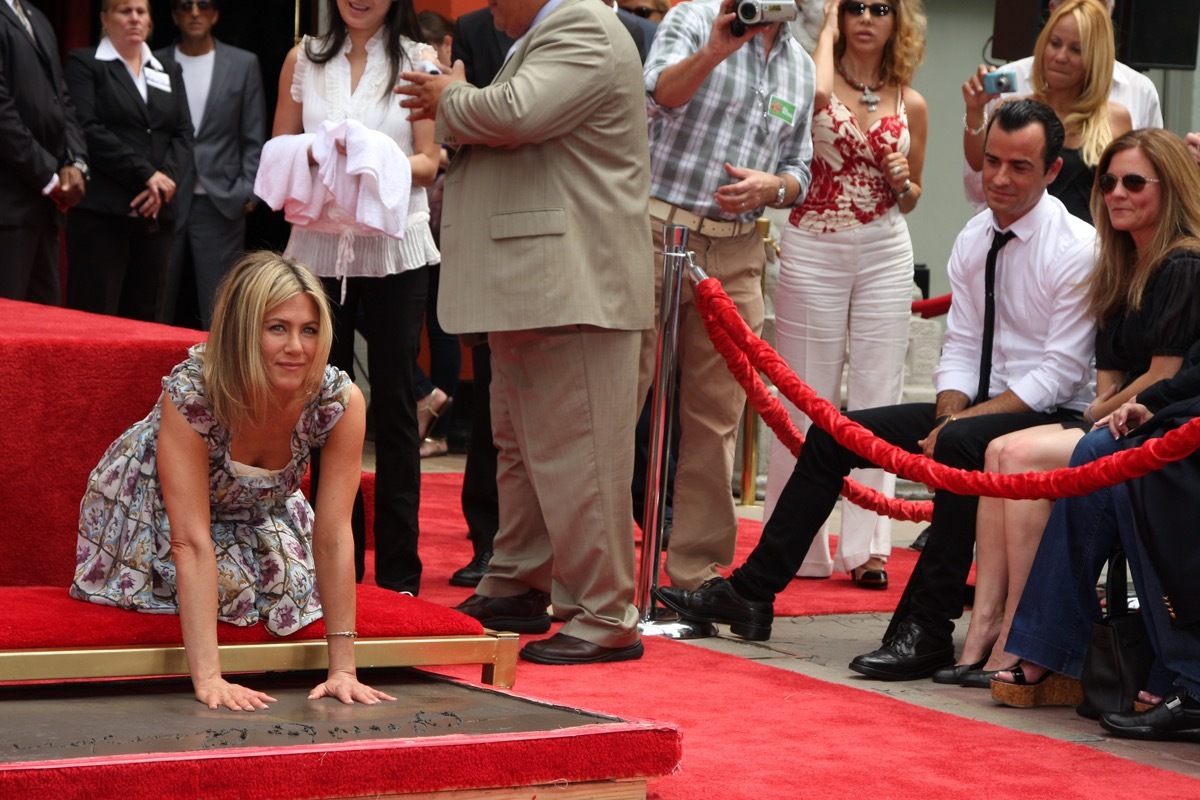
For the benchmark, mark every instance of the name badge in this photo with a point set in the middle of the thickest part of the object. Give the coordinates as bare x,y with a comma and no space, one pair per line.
158,79
782,109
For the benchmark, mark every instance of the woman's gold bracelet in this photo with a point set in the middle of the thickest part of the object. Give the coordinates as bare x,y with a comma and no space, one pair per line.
347,634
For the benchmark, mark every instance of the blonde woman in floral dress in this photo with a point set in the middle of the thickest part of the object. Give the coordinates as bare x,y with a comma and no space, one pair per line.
846,268
196,510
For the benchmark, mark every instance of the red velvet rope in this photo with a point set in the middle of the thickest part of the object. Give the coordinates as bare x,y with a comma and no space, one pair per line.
744,351
933,307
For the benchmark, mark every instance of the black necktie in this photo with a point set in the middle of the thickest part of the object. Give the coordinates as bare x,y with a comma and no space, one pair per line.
989,315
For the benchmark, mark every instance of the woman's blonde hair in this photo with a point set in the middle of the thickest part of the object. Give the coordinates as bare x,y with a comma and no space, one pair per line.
1122,271
905,49
235,373
1088,115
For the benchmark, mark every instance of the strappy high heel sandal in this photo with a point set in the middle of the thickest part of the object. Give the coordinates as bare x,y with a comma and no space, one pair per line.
433,408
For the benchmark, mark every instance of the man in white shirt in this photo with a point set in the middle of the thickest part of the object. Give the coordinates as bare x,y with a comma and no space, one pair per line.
1035,371
225,97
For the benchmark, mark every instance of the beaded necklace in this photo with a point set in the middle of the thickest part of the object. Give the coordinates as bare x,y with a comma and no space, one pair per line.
868,92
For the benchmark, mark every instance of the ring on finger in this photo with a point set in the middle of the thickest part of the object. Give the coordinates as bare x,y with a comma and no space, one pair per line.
895,170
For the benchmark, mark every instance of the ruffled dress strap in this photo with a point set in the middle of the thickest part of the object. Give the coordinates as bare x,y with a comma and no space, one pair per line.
300,75
184,386
330,404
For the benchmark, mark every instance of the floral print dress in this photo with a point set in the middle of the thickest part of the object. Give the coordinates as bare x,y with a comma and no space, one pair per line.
261,523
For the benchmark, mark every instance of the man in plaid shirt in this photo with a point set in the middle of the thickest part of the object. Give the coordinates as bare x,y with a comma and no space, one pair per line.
730,121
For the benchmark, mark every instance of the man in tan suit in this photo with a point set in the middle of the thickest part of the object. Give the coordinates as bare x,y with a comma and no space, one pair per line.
546,247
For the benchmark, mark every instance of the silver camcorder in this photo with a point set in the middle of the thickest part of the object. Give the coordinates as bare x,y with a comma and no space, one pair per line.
764,12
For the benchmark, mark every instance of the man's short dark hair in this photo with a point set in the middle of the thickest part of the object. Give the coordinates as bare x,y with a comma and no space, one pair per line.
1014,115
214,3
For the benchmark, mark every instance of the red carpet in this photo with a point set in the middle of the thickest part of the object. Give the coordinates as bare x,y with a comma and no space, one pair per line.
444,548
752,732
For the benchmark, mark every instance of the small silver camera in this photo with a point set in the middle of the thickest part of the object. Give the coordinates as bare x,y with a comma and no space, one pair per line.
764,12
999,82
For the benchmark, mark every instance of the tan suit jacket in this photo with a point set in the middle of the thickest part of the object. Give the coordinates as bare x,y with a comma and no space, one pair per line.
544,221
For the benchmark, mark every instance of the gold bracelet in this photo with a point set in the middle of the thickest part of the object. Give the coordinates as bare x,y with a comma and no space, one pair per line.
347,634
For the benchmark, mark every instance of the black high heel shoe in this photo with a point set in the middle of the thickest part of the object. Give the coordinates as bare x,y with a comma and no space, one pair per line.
869,578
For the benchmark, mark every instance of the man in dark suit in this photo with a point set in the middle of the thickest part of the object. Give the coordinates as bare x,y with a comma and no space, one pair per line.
225,96
44,159
481,47
642,30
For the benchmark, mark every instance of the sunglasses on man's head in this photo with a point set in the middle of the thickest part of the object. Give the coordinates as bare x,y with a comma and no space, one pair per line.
858,9
642,11
1132,182
186,5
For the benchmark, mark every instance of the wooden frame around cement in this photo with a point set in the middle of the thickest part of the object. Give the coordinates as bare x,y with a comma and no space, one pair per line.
496,651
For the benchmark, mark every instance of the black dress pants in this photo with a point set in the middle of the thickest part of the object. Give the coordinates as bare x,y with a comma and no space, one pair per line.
392,309
117,264
934,595
31,269
480,497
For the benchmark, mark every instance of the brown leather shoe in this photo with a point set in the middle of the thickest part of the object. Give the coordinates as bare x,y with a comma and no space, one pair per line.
522,613
563,649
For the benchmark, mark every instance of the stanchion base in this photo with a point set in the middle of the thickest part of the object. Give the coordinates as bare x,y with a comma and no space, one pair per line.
670,625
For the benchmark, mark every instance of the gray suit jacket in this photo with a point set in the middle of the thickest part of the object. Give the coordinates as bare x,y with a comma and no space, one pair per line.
231,135
545,219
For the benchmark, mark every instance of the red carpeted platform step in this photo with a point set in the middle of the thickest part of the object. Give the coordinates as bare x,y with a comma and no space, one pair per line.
41,616
72,382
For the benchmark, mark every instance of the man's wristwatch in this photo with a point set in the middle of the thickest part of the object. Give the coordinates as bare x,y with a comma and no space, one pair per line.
82,167
781,193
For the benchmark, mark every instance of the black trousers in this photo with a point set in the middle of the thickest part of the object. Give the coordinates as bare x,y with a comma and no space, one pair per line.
118,264
480,498
31,263
392,309
934,595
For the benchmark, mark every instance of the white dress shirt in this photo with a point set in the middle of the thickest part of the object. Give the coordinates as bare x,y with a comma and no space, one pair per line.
1044,336
1130,88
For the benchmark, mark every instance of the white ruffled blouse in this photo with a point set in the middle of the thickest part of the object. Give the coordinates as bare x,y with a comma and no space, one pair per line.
324,92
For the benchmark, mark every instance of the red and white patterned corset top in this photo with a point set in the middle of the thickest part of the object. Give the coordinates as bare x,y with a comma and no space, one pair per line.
848,186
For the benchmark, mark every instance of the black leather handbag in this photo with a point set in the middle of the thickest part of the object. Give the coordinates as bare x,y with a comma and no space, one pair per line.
1119,655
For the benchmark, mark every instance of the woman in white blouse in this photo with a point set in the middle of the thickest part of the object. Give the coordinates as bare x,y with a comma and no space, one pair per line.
377,283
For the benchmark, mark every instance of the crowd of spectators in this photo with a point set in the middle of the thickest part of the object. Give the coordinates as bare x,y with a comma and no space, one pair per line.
501,138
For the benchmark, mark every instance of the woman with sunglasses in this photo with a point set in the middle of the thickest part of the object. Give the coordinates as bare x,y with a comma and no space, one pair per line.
846,262
1145,296
1072,73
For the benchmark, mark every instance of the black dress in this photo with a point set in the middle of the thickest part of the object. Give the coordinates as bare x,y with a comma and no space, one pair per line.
1073,185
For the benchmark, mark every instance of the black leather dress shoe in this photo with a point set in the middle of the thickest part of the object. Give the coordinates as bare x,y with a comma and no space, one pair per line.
953,675
522,613
1176,718
980,678
472,573
918,543
716,601
911,654
563,649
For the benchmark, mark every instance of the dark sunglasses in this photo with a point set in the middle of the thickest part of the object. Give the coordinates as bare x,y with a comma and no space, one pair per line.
1132,182
858,9
186,5
642,11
